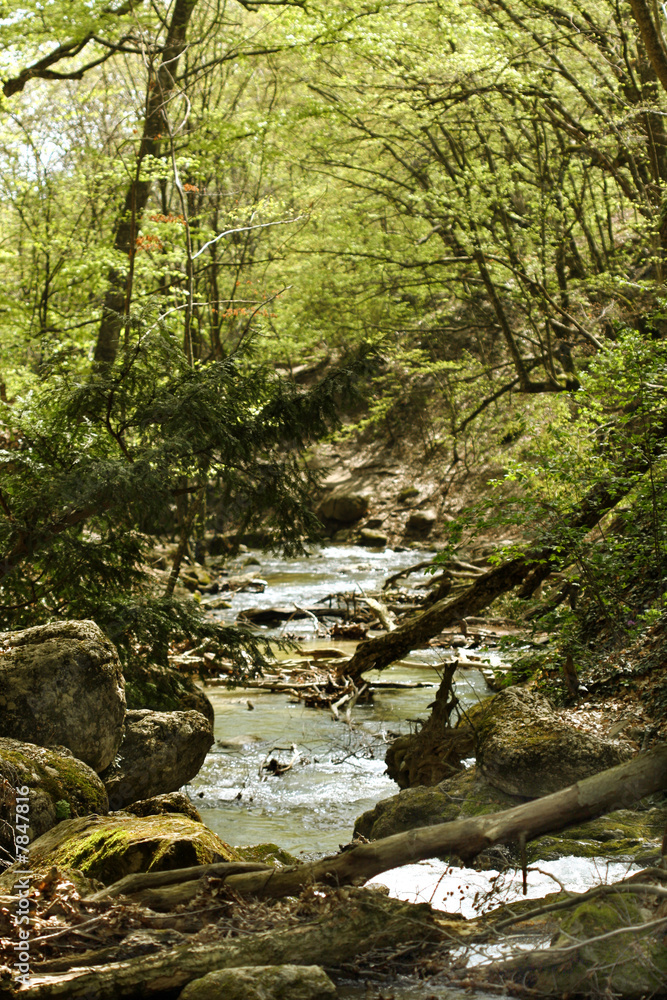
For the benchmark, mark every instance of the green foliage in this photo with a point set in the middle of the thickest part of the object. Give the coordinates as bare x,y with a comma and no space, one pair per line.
92,468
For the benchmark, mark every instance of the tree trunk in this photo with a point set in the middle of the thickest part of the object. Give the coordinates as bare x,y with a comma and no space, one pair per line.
161,88
529,570
614,788
359,923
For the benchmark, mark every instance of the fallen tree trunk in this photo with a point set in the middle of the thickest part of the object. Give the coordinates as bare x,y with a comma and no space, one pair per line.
528,569
361,922
611,789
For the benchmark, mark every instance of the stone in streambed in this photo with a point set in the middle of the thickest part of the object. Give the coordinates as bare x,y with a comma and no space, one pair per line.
525,748
61,684
60,787
345,507
262,982
107,848
372,539
160,752
160,805
464,795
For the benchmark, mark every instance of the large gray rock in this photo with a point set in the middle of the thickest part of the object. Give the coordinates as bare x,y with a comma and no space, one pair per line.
61,684
525,748
262,982
345,507
160,752
59,787
421,522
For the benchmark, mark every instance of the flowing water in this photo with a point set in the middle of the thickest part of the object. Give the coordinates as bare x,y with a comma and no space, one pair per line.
337,771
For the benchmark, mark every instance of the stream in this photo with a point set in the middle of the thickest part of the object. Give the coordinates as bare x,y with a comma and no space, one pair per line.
338,770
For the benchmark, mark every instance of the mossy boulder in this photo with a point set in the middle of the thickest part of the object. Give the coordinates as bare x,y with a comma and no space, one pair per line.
164,689
464,795
109,847
160,752
628,965
262,982
60,787
524,748
268,854
61,685
623,835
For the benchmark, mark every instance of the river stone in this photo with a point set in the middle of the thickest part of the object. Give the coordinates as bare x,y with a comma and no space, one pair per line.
109,847
160,752
164,689
60,786
345,507
421,522
466,794
262,982
525,749
61,684
160,805
372,539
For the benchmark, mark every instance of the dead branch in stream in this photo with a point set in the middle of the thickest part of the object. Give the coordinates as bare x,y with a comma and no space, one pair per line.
615,788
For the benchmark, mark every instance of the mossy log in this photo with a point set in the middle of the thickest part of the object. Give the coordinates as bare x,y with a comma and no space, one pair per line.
359,922
611,789
528,569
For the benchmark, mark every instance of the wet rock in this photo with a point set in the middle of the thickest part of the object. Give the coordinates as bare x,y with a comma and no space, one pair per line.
372,539
345,507
107,848
525,749
421,522
267,854
262,982
61,684
164,689
60,787
624,834
160,752
160,805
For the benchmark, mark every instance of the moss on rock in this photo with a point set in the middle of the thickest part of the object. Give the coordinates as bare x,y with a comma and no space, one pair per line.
108,848
629,965
57,781
268,854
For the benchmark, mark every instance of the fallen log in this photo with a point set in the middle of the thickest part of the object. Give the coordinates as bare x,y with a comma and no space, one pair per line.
529,569
351,926
614,788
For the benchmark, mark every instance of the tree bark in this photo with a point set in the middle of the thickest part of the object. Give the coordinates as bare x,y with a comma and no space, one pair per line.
614,788
361,922
161,88
529,570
